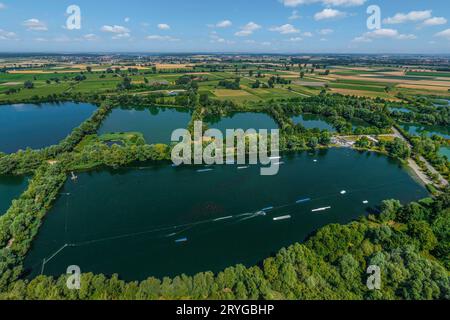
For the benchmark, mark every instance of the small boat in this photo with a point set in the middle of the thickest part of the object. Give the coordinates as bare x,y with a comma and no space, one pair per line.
181,240
282,218
261,213
240,168
343,192
74,177
365,202
303,200
321,209
267,209
315,160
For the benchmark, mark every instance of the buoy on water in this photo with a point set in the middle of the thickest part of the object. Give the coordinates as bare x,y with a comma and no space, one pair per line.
282,218
321,209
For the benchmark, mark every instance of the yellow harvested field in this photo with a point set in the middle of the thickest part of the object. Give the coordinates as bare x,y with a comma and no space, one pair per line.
354,69
197,73
32,72
393,73
370,78
173,66
231,93
7,84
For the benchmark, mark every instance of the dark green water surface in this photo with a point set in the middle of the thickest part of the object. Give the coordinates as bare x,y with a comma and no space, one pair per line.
10,188
128,221
313,121
418,129
242,121
156,124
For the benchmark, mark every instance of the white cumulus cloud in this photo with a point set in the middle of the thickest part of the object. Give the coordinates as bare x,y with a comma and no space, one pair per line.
325,32
163,26
35,25
224,24
119,32
115,29
383,34
161,38
294,16
285,29
248,29
435,21
7,35
90,37
333,3
329,13
443,34
412,16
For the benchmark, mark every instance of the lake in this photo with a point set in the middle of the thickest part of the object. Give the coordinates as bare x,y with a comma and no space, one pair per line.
445,151
399,109
418,129
312,121
10,188
157,220
156,124
38,126
243,121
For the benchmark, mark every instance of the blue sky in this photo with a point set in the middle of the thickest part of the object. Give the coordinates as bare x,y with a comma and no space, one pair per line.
270,26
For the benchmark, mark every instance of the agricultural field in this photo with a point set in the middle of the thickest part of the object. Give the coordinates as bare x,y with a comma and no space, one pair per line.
363,82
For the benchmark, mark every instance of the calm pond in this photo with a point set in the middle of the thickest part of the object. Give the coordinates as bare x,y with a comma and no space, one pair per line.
164,221
156,124
38,126
10,188
445,151
312,121
242,121
418,129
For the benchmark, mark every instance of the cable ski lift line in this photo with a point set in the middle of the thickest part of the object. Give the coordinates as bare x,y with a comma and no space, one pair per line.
240,217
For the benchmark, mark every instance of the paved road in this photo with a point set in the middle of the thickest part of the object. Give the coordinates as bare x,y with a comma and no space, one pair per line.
414,165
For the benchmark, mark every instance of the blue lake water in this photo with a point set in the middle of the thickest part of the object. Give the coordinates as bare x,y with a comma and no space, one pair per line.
38,126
